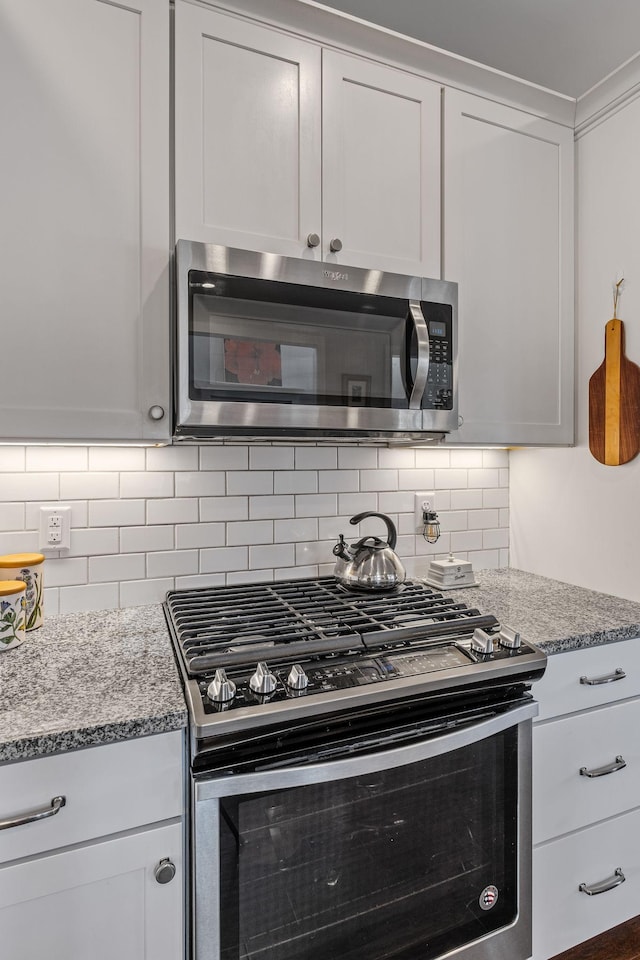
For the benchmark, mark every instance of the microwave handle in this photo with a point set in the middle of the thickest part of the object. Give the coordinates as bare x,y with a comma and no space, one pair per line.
422,368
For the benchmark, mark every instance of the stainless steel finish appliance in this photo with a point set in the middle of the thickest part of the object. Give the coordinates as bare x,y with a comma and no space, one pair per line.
274,347
360,774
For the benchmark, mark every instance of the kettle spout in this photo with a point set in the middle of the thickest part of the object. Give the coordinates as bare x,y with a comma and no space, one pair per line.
341,549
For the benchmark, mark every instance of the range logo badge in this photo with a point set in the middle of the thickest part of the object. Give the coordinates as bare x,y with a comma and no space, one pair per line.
334,275
488,898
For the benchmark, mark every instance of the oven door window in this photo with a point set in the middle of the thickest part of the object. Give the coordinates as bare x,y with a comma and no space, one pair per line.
272,342
406,864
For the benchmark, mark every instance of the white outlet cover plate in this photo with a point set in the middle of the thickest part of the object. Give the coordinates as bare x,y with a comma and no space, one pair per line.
62,512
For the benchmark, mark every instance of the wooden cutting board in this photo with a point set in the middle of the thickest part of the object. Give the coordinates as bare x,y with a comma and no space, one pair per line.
614,402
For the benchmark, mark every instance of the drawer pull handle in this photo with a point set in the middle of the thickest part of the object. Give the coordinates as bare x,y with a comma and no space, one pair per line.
593,889
41,813
618,674
618,764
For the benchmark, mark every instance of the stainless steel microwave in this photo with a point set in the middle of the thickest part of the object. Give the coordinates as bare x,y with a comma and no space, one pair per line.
275,348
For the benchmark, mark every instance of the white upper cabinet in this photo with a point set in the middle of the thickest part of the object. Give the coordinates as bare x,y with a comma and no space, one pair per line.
286,148
247,122
84,181
381,167
508,242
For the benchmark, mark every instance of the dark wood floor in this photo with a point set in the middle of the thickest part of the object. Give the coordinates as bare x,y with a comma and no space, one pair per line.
621,943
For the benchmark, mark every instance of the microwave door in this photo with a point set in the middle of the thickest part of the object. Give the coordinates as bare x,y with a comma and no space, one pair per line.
418,376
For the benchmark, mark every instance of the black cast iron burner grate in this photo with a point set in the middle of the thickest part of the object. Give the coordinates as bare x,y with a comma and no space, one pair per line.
224,626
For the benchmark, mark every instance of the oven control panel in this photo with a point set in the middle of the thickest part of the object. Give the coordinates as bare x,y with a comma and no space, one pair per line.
263,684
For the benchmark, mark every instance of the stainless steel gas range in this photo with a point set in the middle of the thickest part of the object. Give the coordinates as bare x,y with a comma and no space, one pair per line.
360,773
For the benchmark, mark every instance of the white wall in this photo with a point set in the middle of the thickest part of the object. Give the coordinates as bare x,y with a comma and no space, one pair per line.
147,520
571,517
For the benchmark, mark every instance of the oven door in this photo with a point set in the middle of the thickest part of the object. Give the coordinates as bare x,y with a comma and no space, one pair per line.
411,852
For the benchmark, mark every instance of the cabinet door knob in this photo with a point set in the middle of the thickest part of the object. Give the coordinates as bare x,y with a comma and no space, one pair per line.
156,412
165,871
335,245
313,240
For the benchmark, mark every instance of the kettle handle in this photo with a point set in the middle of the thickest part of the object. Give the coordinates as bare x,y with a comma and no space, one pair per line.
392,536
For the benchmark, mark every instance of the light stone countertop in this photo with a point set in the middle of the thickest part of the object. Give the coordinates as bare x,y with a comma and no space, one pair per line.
556,616
85,679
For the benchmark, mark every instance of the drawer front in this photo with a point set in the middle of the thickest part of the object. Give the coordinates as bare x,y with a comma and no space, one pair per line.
599,742
561,690
106,790
564,916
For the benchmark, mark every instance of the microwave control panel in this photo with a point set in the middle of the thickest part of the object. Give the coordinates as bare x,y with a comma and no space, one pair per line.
438,394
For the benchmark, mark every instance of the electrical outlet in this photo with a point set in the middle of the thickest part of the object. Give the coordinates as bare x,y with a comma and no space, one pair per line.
424,503
55,527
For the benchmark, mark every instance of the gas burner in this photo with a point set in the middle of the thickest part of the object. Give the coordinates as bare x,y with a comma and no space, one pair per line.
275,653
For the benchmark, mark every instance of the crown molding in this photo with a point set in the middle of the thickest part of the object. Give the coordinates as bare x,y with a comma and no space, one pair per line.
608,96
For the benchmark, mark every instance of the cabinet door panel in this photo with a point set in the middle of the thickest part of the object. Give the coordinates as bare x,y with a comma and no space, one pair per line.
100,901
381,167
84,175
247,134
563,915
508,189
593,741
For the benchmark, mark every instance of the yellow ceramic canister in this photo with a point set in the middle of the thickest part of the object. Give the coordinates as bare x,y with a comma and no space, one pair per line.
29,568
12,613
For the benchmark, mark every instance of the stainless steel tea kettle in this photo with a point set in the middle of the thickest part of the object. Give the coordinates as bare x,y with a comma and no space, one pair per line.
369,564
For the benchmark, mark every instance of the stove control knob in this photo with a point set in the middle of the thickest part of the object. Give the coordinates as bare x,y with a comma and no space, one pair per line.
297,679
509,638
481,642
221,689
263,681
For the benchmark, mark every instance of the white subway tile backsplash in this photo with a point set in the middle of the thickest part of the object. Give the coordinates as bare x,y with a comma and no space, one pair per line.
352,503
172,563
56,459
224,508
357,458
146,520
224,559
338,481
124,566
316,458
271,458
267,557
23,541
116,458
179,510
134,593
147,538
261,508
205,483
224,458
291,531
316,505
300,481
180,457
12,458
29,486
249,482
116,513
51,601
466,458
148,484
484,478
86,486
12,517
245,532
95,596
93,541
394,459
196,535
379,480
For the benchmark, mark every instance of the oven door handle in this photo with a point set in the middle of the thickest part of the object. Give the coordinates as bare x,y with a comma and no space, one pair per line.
354,766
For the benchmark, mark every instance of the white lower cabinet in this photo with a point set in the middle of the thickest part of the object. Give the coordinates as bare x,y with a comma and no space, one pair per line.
99,874
99,901
586,796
